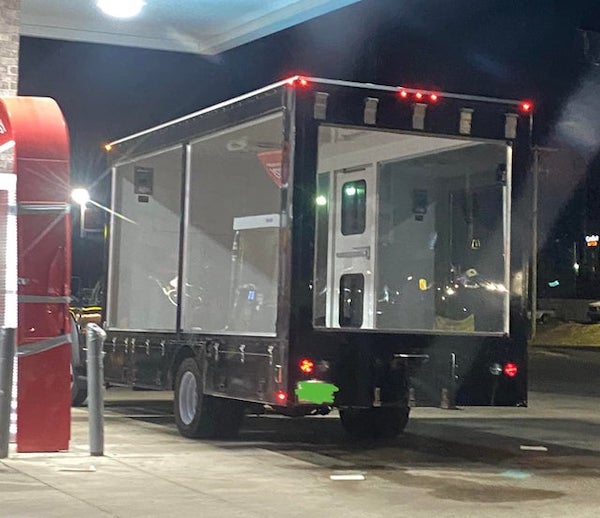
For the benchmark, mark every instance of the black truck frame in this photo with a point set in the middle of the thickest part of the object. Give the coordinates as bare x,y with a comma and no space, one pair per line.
322,244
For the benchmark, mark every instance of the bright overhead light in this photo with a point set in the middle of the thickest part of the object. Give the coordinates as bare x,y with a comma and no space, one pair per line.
121,8
80,196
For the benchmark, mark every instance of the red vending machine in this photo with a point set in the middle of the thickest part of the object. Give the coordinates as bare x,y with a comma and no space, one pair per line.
36,130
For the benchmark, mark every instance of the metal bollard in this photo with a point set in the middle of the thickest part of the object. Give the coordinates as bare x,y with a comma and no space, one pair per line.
7,354
94,341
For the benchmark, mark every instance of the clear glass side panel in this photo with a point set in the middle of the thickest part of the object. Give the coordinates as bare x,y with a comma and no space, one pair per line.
145,243
411,232
232,239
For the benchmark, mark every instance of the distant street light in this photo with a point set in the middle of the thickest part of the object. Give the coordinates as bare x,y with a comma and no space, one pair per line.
121,8
81,196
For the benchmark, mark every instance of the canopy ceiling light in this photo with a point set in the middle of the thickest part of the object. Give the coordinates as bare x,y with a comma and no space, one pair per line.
121,8
80,196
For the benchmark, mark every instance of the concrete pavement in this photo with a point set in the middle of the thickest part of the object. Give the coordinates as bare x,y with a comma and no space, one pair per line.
149,470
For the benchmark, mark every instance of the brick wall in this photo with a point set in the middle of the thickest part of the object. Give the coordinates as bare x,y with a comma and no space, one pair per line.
9,59
9,46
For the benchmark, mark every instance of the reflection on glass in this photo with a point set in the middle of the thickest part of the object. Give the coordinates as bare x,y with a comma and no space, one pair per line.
354,195
351,300
439,261
146,243
232,241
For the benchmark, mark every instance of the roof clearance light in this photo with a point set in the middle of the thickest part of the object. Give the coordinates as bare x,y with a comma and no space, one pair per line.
107,147
121,8
403,94
433,97
281,396
526,106
510,369
298,81
419,95
306,366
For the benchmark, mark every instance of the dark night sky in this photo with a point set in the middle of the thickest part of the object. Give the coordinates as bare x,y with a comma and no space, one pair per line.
508,48
500,48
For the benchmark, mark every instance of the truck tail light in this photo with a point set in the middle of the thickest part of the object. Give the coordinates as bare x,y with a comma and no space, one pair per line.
281,396
510,369
306,366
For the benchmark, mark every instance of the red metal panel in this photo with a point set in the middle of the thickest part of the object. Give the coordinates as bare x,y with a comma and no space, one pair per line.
44,251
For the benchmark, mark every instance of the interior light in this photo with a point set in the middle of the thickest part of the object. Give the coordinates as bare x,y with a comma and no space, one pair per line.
281,396
306,366
510,369
350,191
121,8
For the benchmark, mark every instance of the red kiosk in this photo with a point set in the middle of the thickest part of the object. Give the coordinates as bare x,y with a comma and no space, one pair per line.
36,130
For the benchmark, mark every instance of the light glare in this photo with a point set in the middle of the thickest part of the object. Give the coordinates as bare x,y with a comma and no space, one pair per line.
80,196
121,8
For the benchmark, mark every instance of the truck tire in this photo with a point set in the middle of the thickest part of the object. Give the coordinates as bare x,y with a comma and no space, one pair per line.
191,408
200,416
78,388
374,423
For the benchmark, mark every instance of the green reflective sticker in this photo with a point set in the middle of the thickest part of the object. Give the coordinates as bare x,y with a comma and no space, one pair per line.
316,392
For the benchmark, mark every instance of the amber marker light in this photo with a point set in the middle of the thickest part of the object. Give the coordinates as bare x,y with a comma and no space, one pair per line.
307,366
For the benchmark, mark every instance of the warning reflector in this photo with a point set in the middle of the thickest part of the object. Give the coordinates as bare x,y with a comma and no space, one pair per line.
271,161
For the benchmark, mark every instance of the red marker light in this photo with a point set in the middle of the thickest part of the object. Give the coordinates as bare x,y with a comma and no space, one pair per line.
306,366
403,94
433,97
526,107
297,81
419,95
510,369
281,396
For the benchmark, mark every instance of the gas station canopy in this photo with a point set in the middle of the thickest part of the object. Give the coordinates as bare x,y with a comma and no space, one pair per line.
195,26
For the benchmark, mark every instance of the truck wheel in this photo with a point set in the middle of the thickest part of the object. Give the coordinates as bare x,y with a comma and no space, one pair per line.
78,388
191,406
374,423
201,416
